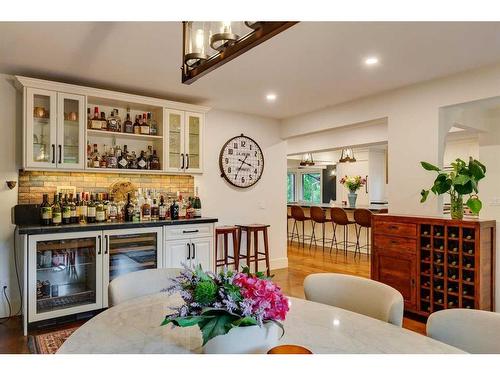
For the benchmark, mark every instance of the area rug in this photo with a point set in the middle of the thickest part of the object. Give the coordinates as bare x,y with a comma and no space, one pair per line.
49,343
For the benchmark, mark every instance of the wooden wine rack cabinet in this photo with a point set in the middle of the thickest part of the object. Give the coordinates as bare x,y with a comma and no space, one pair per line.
435,263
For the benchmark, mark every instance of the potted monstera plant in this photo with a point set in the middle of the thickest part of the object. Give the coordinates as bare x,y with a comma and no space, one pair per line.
462,180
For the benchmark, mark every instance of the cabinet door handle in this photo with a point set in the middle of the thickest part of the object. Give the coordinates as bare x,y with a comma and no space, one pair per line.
366,185
106,246
194,251
99,243
394,242
53,154
187,161
60,154
182,158
191,231
393,227
189,251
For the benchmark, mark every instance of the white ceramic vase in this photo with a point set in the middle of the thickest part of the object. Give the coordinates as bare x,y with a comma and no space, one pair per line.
245,340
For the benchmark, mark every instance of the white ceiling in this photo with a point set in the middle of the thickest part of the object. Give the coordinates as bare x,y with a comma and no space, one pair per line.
309,66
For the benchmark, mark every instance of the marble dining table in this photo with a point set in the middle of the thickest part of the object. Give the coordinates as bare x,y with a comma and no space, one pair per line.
134,327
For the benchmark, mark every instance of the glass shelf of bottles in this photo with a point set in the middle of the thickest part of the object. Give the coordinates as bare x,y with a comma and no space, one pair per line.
447,273
66,273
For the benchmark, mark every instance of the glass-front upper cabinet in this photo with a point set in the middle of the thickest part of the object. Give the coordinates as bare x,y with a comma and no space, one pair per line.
70,131
65,274
41,128
175,133
126,252
193,142
55,126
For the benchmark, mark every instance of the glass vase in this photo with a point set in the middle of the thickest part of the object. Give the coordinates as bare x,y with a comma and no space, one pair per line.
457,207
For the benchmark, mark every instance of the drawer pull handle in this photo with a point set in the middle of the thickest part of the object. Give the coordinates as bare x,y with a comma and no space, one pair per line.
191,231
393,227
194,251
189,251
394,242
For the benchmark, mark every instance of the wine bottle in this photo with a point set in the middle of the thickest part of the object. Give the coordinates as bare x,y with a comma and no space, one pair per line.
100,215
46,211
83,209
146,210
174,210
91,210
66,211
155,211
162,209
129,210
56,211
73,210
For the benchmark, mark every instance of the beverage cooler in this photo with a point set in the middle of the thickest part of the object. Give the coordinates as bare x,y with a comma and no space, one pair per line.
69,273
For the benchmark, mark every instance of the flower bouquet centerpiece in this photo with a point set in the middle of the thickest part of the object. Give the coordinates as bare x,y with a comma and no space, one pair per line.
237,312
353,184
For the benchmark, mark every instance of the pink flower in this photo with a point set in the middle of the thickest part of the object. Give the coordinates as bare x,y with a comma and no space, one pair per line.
267,298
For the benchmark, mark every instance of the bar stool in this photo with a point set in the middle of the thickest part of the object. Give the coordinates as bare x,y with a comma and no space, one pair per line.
224,261
257,255
288,217
298,216
339,217
363,219
318,217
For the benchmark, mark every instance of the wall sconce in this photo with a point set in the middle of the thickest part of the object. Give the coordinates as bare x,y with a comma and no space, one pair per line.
11,184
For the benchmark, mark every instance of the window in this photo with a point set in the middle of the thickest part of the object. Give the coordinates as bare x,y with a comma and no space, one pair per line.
290,187
311,187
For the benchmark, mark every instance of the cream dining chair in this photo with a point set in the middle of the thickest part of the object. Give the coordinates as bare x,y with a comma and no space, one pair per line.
474,331
357,294
140,283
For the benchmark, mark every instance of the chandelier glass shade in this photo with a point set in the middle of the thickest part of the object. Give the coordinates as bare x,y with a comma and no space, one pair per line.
307,160
347,155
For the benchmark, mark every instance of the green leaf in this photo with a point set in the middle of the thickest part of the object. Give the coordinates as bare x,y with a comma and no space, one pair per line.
461,179
476,170
429,166
464,189
185,321
442,184
424,193
245,321
474,204
217,325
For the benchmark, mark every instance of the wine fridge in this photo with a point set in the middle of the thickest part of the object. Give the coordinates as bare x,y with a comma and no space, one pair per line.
64,275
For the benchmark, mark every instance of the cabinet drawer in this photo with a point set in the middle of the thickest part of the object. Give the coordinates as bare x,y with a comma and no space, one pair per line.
177,232
396,229
396,244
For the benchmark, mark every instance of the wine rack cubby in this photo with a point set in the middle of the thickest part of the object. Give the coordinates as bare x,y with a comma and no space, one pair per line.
440,263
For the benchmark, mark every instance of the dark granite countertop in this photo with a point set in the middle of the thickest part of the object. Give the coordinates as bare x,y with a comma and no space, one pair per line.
39,229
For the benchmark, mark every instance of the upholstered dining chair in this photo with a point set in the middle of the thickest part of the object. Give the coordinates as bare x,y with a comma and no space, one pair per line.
140,283
357,294
474,331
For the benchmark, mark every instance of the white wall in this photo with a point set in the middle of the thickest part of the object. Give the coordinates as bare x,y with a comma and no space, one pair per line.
10,156
377,175
416,132
265,202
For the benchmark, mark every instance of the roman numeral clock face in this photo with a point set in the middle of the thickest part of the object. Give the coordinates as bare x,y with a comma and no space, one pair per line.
241,161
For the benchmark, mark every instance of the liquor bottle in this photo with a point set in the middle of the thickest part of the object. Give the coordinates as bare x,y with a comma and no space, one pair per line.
73,209
83,210
112,210
162,209
137,212
133,161
182,207
155,210
153,126
137,125
147,156
95,157
128,126
141,161
114,122
100,215
129,210
56,211
104,123
91,210
144,125
197,206
146,210
66,211
105,205
46,211
102,161
154,162
174,210
95,123
122,160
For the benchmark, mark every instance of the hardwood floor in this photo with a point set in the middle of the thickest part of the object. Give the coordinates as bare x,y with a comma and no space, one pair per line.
302,262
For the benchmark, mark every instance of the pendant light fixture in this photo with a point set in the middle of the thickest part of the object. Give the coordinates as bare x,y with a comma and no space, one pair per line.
347,155
307,160
209,45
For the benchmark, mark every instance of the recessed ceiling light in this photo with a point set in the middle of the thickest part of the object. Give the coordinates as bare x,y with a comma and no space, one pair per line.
271,97
371,61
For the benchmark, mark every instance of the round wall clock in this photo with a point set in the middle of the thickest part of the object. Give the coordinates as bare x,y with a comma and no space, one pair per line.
241,161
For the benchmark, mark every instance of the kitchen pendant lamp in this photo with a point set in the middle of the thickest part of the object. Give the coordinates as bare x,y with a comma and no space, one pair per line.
347,155
307,160
209,45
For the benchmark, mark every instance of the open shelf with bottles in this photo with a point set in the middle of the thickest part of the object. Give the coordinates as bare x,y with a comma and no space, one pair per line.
449,256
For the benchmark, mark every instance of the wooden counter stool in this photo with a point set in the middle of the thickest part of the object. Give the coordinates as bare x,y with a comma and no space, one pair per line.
256,256
225,259
318,217
298,215
363,219
288,217
339,217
